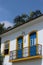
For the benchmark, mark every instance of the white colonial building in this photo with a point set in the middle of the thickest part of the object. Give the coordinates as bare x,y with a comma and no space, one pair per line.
23,45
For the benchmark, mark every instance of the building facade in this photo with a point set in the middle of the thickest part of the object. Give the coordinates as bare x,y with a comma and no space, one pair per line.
23,45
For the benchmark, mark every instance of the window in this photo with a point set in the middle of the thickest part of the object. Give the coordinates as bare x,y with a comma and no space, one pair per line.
33,39
6,48
20,42
33,42
20,46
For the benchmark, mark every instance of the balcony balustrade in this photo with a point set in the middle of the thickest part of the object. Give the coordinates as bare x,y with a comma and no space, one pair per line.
26,53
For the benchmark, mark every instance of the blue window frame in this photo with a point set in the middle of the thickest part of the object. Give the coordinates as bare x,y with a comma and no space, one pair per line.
20,46
33,44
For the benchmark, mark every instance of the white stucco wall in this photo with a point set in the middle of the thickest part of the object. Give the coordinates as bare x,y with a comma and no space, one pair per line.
6,61
12,37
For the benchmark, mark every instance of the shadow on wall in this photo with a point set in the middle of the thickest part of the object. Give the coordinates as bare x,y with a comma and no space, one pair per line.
29,62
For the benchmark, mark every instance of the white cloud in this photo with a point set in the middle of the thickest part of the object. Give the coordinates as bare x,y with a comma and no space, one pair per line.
7,23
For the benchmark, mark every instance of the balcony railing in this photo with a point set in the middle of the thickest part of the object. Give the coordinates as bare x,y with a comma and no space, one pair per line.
26,52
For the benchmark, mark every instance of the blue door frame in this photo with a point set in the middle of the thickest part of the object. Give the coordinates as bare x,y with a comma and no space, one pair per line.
33,44
20,46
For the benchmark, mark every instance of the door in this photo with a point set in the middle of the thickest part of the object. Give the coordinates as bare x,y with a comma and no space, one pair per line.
20,46
33,44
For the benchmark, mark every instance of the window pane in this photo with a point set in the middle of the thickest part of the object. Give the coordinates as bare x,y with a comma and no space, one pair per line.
6,45
33,39
6,51
6,48
20,42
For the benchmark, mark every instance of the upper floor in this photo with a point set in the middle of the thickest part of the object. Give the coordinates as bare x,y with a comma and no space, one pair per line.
24,42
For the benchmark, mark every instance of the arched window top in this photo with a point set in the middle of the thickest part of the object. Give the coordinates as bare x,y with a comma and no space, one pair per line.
32,33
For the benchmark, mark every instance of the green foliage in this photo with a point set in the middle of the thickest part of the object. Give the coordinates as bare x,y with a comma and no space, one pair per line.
38,12
24,17
32,15
18,20
35,14
2,28
1,59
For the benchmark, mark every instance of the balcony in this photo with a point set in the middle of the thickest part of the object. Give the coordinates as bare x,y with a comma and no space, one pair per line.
28,53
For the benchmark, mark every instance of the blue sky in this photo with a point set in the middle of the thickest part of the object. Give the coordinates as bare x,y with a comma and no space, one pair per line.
9,9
